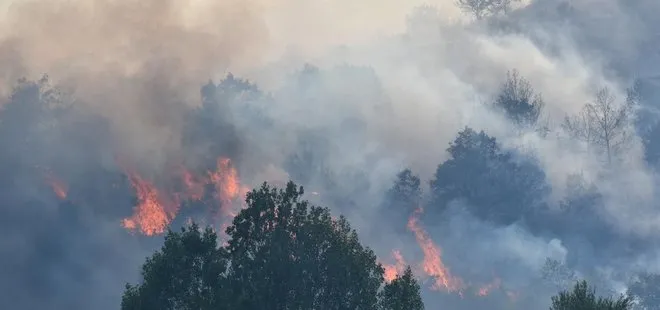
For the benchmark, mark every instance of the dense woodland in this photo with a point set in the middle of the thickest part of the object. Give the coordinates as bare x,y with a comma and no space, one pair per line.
73,181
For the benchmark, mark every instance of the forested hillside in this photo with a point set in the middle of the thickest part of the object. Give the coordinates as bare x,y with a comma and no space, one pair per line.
470,154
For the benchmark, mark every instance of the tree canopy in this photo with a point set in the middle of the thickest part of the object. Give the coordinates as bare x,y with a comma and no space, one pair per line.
582,297
495,185
282,253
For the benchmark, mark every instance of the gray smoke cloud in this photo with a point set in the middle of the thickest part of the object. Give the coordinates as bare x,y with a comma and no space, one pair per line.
393,83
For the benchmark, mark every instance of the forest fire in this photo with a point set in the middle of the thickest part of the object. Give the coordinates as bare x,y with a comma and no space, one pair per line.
194,187
488,288
394,270
432,264
156,209
59,187
228,187
152,214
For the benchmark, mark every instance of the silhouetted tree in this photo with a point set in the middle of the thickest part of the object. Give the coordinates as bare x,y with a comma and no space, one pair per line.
404,197
518,101
403,293
282,254
187,273
604,124
287,254
484,8
584,298
557,274
496,186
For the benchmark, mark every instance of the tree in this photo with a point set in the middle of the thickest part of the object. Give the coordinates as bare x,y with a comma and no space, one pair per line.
483,8
584,298
403,197
604,124
496,186
646,291
403,293
518,101
282,253
187,273
287,254
557,274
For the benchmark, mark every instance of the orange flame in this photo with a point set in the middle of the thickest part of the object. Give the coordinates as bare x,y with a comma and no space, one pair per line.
152,213
394,270
156,210
194,187
59,187
229,188
432,263
486,289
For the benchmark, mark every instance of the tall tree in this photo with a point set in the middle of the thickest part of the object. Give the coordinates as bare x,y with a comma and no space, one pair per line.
605,124
582,297
403,293
403,198
282,254
187,273
287,254
557,274
518,100
496,185
481,9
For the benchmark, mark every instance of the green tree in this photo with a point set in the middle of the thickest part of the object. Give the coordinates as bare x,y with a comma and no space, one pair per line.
403,293
282,253
187,273
287,254
584,298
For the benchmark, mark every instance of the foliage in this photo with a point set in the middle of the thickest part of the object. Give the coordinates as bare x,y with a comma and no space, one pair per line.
403,198
185,274
518,100
283,253
496,186
403,293
481,9
557,274
287,254
582,297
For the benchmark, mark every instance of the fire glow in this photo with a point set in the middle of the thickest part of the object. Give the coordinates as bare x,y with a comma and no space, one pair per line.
59,187
432,264
394,270
156,210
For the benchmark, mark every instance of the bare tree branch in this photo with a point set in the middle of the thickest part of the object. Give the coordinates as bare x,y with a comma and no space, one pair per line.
603,123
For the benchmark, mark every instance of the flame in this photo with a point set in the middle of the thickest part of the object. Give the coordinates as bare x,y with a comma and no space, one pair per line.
156,209
59,187
432,263
394,270
228,186
486,289
152,213
193,186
